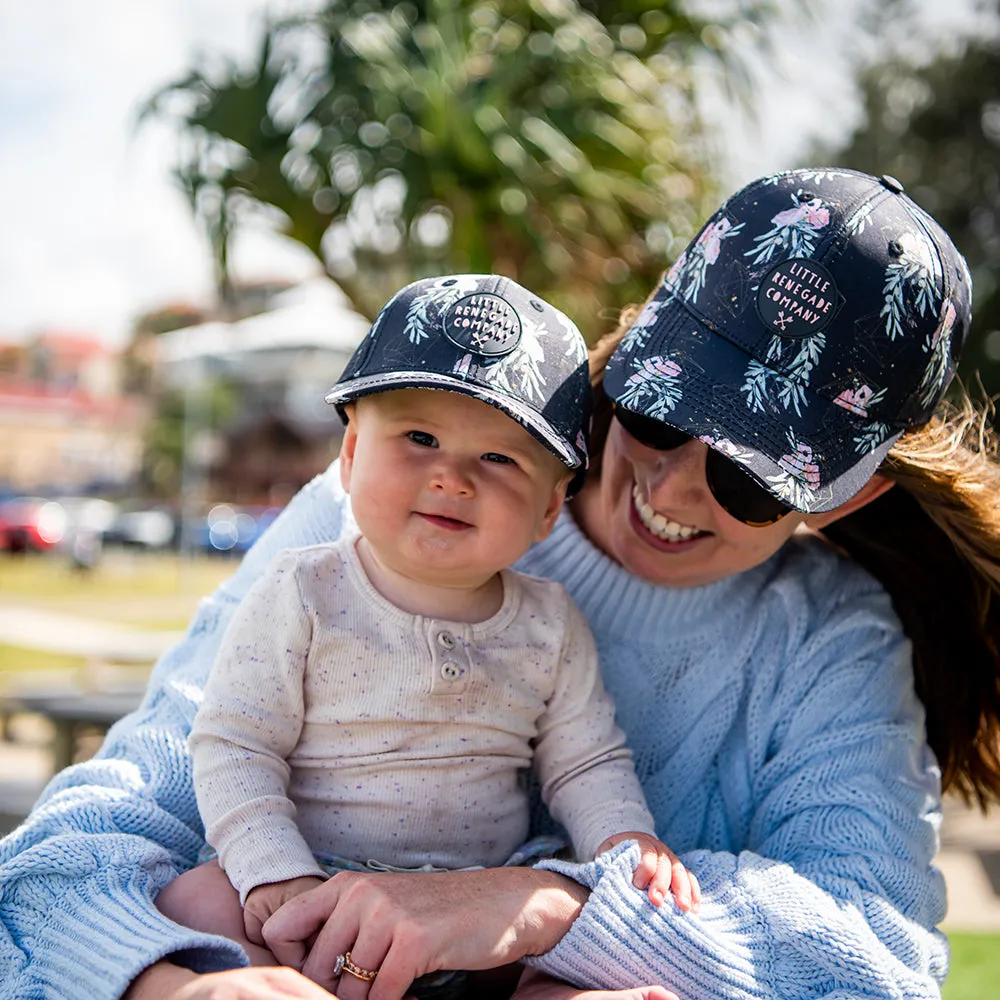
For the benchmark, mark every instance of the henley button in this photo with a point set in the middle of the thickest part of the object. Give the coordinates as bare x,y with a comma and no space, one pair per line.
446,640
451,671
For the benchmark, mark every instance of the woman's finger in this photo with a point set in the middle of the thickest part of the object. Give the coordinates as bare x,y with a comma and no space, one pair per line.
367,954
299,920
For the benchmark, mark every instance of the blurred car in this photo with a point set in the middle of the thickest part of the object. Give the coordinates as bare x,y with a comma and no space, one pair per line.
143,528
31,524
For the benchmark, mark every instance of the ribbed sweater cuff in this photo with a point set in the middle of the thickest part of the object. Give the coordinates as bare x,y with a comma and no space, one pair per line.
105,931
619,941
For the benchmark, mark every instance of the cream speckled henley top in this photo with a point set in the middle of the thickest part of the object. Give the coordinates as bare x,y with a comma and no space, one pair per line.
335,723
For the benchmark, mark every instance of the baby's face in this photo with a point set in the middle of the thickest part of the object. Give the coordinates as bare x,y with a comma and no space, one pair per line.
446,489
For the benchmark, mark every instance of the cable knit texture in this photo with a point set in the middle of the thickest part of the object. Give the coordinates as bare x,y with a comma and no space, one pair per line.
334,723
774,728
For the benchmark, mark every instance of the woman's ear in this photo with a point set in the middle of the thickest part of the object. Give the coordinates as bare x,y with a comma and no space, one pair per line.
348,446
872,490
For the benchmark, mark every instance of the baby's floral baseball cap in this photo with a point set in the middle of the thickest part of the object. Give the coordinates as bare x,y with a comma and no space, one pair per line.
488,337
818,315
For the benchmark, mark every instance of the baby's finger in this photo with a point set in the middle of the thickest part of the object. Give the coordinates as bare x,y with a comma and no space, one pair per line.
253,926
645,870
680,883
695,892
660,883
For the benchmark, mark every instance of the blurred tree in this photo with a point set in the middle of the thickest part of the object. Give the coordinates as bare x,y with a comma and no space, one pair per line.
935,125
555,141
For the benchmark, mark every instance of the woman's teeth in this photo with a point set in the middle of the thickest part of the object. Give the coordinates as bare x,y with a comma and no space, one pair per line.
669,531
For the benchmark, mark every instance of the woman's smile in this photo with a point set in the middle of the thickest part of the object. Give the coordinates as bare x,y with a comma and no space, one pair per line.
661,527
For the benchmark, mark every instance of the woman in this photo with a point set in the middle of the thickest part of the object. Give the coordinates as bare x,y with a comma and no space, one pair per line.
801,345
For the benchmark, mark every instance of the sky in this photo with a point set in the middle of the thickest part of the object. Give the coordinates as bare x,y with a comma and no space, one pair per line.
94,231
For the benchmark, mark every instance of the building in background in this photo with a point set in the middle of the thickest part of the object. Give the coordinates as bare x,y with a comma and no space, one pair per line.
66,426
281,361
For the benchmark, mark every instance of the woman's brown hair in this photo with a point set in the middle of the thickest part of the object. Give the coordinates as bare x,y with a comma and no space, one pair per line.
933,542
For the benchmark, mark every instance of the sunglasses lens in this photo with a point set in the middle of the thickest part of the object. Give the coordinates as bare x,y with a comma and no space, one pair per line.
649,432
735,490
739,494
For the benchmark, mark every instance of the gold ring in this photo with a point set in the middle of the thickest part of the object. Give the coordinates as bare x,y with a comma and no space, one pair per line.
367,975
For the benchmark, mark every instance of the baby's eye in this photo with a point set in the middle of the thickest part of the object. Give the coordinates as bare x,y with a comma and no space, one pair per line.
422,438
494,456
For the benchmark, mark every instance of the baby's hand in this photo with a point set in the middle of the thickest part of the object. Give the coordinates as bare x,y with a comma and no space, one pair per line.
265,899
660,870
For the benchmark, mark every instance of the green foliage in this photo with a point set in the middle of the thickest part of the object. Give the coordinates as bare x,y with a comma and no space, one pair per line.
936,127
555,141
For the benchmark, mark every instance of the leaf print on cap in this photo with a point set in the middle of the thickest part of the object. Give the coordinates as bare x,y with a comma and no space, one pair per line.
576,346
722,444
652,389
938,346
704,253
635,339
870,437
785,388
794,374
440,295
794,231
916,267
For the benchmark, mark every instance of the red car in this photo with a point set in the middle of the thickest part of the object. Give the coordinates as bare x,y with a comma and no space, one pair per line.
31,524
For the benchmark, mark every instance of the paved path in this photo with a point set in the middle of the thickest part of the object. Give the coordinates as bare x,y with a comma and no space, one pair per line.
54,632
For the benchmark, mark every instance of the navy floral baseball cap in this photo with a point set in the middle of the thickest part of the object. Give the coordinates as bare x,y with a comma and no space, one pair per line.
487,337
817,316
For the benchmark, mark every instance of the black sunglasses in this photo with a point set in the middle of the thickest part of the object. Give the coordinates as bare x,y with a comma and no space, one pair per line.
735,491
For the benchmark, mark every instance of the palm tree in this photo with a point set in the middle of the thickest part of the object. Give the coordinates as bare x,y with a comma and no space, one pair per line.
555,141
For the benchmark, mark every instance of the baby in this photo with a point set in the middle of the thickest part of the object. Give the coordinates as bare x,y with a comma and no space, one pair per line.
376,700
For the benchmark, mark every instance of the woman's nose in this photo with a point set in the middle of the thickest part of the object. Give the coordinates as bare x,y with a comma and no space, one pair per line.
678,475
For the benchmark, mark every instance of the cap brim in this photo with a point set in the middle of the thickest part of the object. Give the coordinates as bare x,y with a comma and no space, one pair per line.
684,374
528,418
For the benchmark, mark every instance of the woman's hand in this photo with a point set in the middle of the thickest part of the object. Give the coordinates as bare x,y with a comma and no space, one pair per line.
267,899
165,981
536,985
406,925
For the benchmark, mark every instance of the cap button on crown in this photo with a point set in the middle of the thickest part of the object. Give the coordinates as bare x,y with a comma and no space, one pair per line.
890,182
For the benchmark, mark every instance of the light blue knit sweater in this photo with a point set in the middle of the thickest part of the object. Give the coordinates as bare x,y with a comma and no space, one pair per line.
775,731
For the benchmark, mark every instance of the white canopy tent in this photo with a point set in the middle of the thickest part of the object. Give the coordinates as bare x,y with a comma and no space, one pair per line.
312,316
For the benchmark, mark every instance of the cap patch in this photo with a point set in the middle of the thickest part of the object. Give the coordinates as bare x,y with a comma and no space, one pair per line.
797,298
484,324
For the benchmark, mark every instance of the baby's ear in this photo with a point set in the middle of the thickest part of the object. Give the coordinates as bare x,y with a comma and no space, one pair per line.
348,447
556,500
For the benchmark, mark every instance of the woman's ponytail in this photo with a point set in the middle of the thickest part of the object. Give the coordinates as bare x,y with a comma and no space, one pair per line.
934,543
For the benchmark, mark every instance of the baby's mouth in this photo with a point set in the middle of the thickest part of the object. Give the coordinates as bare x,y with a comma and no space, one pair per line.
660,526
443,521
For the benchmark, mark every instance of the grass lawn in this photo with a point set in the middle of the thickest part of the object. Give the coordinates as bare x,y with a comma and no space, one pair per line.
975,967
139,589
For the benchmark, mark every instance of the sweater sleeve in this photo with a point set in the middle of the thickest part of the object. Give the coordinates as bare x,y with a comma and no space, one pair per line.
79,876
249,722
835,894
584,768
